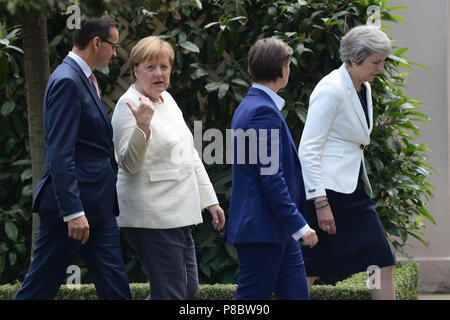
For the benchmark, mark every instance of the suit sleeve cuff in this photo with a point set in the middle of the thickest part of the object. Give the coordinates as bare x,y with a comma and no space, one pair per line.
145,136
73,216
208,201
300,233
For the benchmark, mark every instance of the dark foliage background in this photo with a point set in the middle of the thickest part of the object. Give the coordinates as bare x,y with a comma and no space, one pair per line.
209,79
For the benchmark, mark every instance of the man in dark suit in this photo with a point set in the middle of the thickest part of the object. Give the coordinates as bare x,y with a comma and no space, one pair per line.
76,198
268,196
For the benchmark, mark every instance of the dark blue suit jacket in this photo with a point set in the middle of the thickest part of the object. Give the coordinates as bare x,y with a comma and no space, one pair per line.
264,208
78,148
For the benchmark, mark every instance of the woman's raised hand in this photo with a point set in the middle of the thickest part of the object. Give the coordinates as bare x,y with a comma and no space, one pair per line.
143,114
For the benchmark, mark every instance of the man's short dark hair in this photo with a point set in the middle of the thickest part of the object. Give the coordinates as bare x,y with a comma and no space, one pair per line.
266,59
91,28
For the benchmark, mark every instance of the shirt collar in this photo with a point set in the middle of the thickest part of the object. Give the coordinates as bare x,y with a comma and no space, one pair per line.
279,101
83,65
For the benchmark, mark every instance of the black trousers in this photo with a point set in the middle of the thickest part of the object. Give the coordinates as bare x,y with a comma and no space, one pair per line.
169,258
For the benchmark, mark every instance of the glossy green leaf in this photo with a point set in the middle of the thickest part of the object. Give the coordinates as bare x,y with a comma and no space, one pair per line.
200,72
7,108
209,25
213,86
11,230
240,82
12,256
27,190
223,89
27,174
231,250
189,46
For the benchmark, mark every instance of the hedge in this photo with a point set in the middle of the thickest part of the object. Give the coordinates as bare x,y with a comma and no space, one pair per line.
353,288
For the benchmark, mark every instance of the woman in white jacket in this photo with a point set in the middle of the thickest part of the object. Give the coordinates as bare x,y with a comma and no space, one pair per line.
162,184
331,151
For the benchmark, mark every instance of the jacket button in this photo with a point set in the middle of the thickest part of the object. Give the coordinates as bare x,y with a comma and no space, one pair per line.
361,146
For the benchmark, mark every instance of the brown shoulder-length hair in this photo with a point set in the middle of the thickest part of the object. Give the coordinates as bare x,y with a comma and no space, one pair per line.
266,59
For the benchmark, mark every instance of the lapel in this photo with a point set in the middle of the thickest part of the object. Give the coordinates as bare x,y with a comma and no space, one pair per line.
89,86
260,93
369,104
353,96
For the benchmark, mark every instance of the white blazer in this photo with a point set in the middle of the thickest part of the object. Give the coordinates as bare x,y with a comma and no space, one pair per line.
161,183
335,135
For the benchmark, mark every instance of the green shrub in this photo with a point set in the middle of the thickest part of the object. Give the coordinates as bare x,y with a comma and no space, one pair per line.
7,291
15,167
353,288
216,292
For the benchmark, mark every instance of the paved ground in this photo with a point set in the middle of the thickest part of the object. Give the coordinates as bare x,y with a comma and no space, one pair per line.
434,297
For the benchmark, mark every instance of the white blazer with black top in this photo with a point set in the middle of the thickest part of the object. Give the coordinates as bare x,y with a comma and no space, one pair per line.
335,135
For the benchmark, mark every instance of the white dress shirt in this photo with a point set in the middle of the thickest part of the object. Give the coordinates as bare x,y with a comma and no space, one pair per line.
83,65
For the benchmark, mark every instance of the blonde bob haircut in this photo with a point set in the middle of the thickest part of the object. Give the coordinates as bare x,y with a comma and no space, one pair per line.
150,48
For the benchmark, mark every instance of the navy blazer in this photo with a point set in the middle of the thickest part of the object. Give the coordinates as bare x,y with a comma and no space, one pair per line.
264,208
78,148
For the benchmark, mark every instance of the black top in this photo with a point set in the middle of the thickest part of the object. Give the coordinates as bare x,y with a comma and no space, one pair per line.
363,99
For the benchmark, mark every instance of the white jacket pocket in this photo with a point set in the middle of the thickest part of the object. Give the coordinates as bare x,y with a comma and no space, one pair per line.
162,175
333,153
